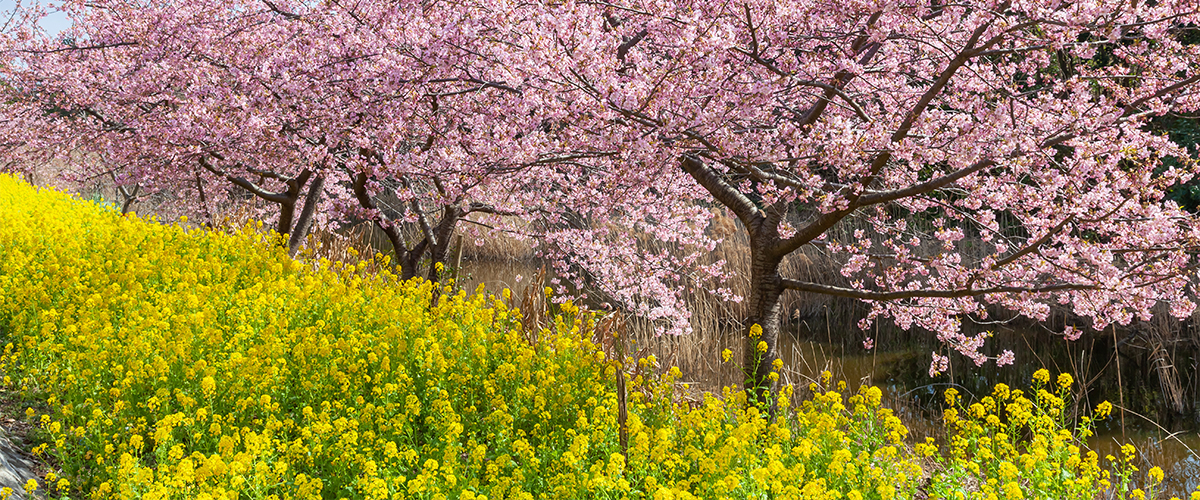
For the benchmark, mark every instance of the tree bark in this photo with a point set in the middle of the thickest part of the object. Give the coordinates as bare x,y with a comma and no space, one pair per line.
406,259
204,201
408,265
130,197
287,212
287,206
766,288
315,190
286,199
766,284
441,240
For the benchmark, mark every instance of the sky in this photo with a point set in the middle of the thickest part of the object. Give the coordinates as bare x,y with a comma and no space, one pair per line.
53,24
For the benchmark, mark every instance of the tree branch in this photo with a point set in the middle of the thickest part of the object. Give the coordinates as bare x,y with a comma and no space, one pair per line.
922,104
359,187
924,187
280,198
484,208
830,90
853,293
624,47
724,192
861,46
828,220
422,219
275,8
1032,247
86,47
315,191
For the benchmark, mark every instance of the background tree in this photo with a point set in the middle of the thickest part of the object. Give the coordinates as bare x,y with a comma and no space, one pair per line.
410,115
300,105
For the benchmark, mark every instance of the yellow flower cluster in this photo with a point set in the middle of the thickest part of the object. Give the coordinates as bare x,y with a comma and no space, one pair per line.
183,363
1010,445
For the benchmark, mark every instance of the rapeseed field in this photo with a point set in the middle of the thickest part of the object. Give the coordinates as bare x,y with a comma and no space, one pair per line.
177,362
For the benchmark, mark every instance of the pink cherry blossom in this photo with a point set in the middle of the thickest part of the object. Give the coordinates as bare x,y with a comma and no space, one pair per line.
939,365
1006,358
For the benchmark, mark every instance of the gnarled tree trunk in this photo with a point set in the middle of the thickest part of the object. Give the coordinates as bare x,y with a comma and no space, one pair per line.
766,288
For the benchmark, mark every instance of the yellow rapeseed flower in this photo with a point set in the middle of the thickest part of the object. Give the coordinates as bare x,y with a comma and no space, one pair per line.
1065,380
755,331
1156,474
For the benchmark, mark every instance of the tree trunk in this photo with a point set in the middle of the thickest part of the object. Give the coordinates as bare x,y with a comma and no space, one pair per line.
765,290
315,190
442,237
766,284
407,260
130,197
287,212
204,202
408,266
287,206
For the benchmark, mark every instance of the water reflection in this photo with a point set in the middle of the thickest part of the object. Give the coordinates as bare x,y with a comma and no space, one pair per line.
1175,453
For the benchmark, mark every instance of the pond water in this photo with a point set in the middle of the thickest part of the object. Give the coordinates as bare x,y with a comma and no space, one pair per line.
900,368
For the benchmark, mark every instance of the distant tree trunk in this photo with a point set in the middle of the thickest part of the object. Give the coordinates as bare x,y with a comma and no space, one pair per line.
287,203
204,201
127,196
407,259
285,199
130,197
315,191
441,239
408,266
287,212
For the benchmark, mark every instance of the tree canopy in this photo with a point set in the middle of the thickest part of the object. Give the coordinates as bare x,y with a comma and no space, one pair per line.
991,153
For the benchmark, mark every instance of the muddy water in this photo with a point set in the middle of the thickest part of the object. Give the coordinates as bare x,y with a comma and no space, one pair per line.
901,370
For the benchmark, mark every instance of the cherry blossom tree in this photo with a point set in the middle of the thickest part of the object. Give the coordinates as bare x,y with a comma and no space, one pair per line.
122,90
300,105
417,117
990,153
986,153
